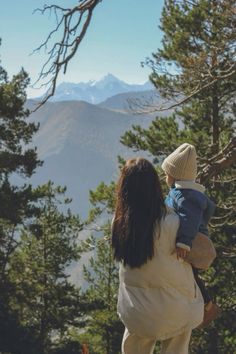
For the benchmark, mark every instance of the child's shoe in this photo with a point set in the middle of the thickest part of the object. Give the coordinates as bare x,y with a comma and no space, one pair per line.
211,312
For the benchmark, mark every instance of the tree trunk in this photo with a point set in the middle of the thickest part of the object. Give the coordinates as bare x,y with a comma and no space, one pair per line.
43,329
215,120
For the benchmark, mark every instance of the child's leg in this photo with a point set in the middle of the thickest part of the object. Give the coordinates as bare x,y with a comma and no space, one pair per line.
211,310
201,285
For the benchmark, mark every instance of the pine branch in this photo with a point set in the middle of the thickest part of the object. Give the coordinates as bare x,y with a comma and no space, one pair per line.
223,160
147,106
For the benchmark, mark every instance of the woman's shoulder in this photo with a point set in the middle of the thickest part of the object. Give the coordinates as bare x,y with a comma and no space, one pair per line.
170,218
169,225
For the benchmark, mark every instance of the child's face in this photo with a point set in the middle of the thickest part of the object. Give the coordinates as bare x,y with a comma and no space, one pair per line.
170,180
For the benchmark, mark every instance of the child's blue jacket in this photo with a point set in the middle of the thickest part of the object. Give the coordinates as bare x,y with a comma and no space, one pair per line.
194,209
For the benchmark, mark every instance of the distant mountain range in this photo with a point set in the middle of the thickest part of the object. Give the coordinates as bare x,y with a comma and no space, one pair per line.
96,91
79,142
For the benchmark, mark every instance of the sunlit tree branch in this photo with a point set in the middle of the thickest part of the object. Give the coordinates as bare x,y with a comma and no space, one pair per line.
71,26
224,159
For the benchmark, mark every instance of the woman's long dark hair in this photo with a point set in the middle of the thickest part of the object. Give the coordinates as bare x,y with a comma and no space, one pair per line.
139,206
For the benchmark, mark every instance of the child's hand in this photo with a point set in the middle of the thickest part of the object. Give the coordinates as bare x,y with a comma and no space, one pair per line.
181,253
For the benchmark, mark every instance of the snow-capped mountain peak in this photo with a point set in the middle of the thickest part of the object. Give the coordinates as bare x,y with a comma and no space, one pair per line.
96,91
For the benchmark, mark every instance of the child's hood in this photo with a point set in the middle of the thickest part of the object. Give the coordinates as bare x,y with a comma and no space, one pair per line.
190,185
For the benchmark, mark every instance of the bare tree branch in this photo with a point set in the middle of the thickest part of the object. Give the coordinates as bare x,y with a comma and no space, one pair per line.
73,23
224,159
141,107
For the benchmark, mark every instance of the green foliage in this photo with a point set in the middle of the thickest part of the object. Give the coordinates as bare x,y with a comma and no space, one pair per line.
104,330
153,140
103,325
102,200
41,296
197,47
16,202
15,132
39,306
41,312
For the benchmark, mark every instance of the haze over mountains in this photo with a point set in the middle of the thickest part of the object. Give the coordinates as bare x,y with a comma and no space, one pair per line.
79,142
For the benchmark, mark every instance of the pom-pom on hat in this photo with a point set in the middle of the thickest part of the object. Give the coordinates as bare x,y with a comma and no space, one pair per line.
182,163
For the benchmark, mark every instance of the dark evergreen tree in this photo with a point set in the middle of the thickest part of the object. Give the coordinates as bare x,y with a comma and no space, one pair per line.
16,199
39,306
104,330
195,68
47,304
15,159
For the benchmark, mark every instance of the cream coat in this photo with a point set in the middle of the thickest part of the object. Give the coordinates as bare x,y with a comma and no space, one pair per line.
160,299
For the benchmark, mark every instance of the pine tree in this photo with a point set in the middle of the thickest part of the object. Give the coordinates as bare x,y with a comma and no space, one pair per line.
46,302
15,160
16,200
198,50
104,330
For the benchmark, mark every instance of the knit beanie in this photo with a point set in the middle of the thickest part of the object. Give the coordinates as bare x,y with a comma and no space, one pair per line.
182,163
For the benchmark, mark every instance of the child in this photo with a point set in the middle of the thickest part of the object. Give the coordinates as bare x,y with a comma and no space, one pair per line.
194,208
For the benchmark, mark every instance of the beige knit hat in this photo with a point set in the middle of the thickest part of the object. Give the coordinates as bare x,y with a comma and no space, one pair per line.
182,163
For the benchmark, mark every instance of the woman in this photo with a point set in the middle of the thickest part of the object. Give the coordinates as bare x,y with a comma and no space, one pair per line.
158,297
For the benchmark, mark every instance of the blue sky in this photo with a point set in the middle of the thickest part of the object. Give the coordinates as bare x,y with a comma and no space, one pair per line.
121,35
